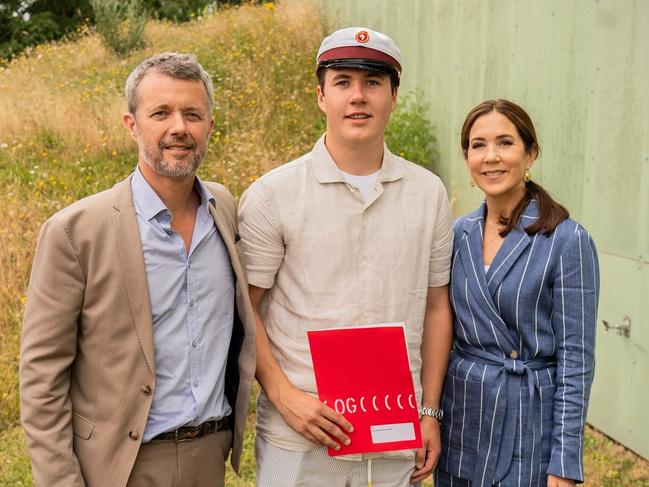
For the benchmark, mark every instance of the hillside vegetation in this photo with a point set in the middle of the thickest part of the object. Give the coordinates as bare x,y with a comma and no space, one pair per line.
61,138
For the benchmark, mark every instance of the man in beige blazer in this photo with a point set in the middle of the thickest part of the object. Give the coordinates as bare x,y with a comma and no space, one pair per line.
138,345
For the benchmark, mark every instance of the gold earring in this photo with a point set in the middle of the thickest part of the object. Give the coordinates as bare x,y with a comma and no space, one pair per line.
528,177
472,182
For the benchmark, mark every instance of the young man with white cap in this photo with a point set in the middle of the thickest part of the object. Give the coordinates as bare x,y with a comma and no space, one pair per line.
348,234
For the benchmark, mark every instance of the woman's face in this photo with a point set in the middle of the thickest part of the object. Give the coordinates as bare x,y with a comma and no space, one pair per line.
496,157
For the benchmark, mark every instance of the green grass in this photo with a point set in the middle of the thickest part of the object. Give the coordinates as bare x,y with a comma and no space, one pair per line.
608,464
15,468
61,138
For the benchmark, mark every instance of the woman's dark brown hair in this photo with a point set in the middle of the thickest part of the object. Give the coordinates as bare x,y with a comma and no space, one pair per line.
551,213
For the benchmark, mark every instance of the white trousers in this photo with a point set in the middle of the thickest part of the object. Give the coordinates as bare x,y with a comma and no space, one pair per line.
277,467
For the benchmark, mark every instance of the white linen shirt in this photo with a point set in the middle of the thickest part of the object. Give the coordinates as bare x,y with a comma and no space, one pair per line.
330,259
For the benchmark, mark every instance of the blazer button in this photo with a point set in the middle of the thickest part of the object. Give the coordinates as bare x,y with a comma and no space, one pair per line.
513,355
133,435
146,390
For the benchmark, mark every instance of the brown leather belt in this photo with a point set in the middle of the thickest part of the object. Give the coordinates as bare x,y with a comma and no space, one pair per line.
189,433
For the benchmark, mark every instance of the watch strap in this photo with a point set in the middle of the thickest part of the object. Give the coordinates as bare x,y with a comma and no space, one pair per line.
438,414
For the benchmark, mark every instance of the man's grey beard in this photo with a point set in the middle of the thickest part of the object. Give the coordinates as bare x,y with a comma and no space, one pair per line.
180,170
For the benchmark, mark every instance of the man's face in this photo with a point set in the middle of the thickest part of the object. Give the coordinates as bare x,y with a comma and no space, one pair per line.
172,124
357,103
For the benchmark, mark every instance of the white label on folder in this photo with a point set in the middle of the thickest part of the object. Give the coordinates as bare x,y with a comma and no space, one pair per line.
387,433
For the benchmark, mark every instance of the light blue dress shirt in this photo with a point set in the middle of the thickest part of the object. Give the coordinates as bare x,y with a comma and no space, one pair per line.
192,306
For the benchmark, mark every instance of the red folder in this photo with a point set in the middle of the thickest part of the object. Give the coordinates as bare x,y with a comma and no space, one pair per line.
364,374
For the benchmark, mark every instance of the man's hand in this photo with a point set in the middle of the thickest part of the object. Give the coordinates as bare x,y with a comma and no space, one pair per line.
426,457
312,419
435,350
560,482
302,412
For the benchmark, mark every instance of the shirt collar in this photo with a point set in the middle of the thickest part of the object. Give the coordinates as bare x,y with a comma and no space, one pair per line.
206,197
148,203
326,171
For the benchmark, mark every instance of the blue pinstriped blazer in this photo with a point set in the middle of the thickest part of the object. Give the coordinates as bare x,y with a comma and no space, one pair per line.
518,382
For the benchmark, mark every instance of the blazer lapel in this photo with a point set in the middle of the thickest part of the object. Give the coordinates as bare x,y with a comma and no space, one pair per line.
228,235
470,254
131,258
514,245
470,248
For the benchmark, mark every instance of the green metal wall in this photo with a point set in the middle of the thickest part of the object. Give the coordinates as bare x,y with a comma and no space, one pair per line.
581,69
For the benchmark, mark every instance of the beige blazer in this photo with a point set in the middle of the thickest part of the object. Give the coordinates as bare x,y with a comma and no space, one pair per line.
87,365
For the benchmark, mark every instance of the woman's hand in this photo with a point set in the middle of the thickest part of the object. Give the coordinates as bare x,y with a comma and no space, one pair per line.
560,482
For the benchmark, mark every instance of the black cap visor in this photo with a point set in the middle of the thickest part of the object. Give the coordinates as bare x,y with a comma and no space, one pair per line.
359,63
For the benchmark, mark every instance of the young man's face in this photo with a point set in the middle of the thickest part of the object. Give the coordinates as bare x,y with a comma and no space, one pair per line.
357,103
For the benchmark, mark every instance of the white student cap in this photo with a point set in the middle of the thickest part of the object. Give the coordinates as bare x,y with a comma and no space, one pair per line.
360,48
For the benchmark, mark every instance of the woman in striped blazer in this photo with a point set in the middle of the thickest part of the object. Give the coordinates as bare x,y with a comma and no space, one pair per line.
524,288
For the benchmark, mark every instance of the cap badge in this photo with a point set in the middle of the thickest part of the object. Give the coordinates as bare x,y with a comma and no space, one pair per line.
362,36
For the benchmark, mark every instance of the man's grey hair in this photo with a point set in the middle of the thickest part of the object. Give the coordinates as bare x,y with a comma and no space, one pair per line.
174,65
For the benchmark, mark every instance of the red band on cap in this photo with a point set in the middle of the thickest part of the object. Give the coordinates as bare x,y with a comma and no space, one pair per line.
358,52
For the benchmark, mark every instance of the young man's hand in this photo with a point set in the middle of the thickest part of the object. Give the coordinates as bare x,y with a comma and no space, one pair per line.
426,457
312,419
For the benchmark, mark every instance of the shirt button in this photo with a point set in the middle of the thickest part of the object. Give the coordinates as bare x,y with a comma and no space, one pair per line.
195,382
513,355
194,343
146,390
191,303
133,435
